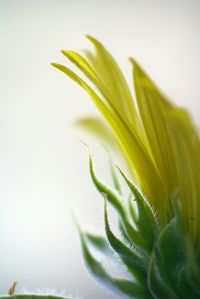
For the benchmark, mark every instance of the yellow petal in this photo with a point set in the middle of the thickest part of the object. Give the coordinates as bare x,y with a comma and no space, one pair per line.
132,146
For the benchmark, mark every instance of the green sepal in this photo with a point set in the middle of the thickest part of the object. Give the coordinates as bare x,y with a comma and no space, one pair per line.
120,286
124,233
189,276
112,198
100,243
147,222
114,175
156,285
131,209
132,289
135,263
186,285
170,253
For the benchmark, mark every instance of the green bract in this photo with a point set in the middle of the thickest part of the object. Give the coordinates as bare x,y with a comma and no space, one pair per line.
160,235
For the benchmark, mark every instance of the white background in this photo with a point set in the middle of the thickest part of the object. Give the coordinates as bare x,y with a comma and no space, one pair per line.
43,165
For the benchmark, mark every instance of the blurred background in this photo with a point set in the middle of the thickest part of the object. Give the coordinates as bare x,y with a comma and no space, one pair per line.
44,166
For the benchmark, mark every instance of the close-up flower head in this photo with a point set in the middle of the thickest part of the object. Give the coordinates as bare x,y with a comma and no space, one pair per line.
100,149
160,235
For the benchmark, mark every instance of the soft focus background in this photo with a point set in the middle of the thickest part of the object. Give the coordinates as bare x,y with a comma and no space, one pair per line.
43,166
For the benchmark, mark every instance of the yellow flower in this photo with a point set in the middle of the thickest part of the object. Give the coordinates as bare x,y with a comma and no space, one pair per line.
159,140
161,145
